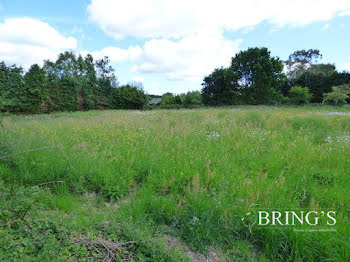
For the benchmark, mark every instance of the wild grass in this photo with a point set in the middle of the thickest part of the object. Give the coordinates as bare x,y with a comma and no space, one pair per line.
195,174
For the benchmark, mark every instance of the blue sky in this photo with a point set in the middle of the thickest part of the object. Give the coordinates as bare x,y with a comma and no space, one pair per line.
171,45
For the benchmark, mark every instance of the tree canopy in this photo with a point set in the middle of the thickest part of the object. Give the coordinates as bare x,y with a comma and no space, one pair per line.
254,77
74,82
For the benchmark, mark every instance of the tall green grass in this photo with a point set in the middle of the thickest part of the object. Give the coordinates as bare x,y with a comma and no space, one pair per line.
198,172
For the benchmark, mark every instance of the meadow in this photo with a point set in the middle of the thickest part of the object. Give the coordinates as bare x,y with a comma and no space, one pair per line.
180,184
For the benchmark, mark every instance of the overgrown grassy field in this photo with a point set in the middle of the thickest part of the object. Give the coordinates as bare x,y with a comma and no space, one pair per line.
180,184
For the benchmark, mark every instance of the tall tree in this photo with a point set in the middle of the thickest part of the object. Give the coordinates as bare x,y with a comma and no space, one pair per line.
11,88
3,81
220,89
258,75
34,89
300,61
106,82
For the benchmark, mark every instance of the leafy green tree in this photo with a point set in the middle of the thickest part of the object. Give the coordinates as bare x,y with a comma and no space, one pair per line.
168,99
79,83
192,99
320,83
178,100
219,88
300,61
106,83
319,78
63,86
86,82
299,95
129,97
258,76
324,69
338,96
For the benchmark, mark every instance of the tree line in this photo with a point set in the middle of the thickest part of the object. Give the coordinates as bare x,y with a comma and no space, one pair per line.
255,77
70,83
74,82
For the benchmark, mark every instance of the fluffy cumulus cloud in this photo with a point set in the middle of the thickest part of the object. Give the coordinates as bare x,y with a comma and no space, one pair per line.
168,18
26,41
116,54
184,39
188,58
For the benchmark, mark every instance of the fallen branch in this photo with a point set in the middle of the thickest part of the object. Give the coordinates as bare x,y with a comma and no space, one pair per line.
28,151
107,249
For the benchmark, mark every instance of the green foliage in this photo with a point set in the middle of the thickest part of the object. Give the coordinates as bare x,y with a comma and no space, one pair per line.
16,202
70,83
219,88
338,96
171,101
130,97
35,89
25,237
321,69
300,61
320,83
106,83
11,88
259,75
36,225
299,95
192,99
319,78
254,77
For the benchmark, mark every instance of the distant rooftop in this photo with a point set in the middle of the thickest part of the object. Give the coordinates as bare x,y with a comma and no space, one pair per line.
155,100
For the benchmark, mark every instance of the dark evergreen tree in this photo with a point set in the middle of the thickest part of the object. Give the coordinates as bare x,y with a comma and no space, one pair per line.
34,89
12,88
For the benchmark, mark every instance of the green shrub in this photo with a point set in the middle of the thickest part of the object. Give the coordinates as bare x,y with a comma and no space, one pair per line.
299,95
130,97
338,96
192,99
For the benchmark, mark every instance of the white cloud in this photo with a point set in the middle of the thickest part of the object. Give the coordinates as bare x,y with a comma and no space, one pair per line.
346,67
191,57
168,18
116,54
184,39
26,41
